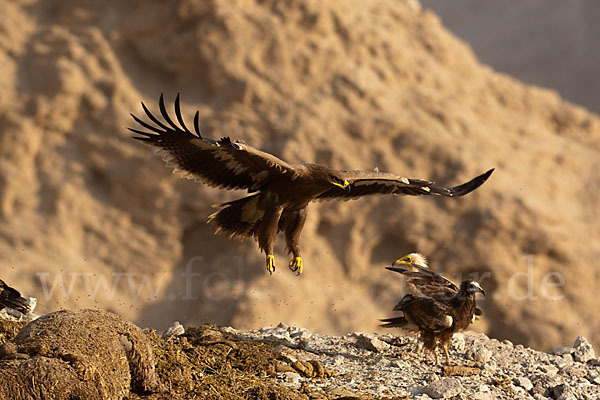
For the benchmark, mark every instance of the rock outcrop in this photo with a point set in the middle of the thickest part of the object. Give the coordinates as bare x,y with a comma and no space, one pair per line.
85,354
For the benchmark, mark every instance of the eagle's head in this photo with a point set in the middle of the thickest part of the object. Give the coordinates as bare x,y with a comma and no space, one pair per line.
412,258
471,287
339,181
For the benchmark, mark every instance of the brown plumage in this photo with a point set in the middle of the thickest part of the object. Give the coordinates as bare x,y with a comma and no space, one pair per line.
11,298
282,191
442,310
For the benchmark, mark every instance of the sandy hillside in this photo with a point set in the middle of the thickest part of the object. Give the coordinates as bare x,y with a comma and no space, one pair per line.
353,85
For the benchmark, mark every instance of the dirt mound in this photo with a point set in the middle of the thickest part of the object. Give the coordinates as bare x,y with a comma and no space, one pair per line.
91,219
209,363
85,354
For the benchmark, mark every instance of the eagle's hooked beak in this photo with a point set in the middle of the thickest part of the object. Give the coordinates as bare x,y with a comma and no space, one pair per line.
399,265
480,288
400,261
345,185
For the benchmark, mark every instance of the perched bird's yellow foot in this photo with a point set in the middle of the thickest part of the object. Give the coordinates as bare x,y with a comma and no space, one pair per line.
296,265
270,263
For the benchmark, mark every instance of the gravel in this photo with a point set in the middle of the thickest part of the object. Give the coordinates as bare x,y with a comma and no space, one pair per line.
388,366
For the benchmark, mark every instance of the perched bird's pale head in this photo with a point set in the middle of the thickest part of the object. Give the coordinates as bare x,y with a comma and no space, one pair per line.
472,287
412,258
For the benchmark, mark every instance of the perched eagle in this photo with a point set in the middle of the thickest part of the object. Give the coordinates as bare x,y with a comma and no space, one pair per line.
11,298
442,310
280,191
419,260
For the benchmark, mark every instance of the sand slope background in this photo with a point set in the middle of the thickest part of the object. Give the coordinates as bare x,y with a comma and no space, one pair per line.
352,85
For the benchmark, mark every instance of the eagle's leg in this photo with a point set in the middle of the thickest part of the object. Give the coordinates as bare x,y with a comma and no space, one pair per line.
445,347
267,234
430,342
446,340
434,350
292,223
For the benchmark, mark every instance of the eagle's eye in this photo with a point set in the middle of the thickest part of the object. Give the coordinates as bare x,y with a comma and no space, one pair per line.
342,183
474,287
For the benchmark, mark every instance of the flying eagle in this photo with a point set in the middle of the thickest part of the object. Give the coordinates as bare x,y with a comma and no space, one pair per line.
11,298
441,310
280,191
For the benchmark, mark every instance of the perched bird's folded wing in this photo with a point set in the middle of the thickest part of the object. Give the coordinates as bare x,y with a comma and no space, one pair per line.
364,183
429,283
11,298
426,313
219,163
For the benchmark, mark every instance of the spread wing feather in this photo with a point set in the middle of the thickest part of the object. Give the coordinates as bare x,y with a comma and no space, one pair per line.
219,163
429,283
364,183
11,298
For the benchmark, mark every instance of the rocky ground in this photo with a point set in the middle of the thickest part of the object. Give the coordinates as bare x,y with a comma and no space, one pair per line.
286,362
388,366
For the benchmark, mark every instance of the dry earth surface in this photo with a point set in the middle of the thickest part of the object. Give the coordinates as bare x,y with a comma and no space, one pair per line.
45,362
350,84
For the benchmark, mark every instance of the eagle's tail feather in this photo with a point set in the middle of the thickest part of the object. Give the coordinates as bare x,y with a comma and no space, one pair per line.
237,218
397,322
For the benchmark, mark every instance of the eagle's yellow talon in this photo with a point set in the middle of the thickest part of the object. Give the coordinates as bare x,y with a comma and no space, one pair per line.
296,265
270,263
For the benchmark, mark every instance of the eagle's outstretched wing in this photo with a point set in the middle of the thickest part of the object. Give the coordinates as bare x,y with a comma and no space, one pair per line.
364,183
11,298
219,163
429,283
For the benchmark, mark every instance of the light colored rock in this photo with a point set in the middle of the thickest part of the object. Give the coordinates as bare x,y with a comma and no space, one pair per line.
482,396
458,342
480,353
293,377
524,382
575,370
299,333
443,389
564,360
371,342
174,330
230,330
549,370
583,350
559,351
